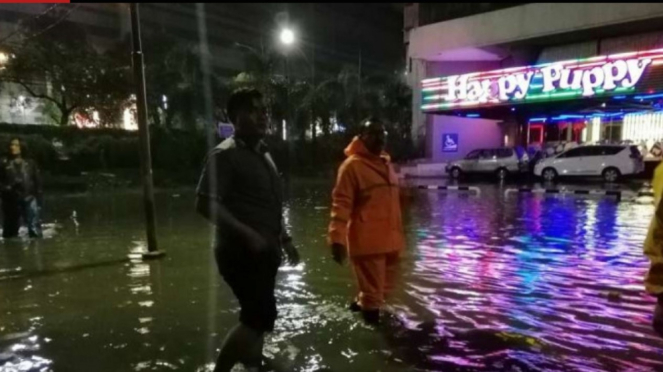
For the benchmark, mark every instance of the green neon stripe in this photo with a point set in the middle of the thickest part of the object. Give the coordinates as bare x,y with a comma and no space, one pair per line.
553,95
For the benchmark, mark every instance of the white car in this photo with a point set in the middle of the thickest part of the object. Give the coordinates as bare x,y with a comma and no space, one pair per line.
608,161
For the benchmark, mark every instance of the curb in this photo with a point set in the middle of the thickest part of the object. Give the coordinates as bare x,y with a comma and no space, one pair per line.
617,194
450,188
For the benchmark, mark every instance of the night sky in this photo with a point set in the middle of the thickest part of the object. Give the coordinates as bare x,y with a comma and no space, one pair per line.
332,35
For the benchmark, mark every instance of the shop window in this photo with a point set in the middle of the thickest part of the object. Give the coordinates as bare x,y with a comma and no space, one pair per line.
474,155
607,150
612,132
536,133
488,154
577,152
504,153
553,134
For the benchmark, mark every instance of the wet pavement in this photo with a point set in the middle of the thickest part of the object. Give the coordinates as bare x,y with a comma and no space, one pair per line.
490,283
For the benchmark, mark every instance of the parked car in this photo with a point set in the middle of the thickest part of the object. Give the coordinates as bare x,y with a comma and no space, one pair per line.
608,161
501,162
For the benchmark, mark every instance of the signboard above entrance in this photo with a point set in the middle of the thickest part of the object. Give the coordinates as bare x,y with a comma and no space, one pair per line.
620,74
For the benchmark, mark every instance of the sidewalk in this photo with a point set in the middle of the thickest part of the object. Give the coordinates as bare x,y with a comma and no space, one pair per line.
422,170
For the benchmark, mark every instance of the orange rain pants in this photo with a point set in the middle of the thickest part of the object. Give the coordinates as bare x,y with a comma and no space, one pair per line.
376,276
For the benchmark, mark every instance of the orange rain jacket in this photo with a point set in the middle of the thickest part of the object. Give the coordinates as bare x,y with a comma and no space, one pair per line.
366,211
654,241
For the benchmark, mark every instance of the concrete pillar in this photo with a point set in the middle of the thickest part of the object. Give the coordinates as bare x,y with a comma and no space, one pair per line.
415,75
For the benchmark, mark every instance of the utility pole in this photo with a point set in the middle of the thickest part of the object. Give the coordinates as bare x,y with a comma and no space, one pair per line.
289,125
144,137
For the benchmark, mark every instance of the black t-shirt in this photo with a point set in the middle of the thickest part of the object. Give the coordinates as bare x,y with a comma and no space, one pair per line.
245,180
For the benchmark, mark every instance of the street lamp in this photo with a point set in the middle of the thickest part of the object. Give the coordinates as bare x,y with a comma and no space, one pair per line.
287,36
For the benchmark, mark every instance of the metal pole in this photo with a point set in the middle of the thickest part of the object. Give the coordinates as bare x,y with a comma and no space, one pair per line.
144,136
290,121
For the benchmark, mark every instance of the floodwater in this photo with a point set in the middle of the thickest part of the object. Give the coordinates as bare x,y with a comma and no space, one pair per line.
489,283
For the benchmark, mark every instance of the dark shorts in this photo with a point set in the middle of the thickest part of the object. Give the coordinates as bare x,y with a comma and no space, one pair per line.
252,279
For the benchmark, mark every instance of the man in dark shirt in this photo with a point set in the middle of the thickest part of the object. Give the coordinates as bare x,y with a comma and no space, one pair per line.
21,193
240,193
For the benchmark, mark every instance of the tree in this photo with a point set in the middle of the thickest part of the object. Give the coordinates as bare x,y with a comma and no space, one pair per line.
350,99
114,85
260,73
54,62
175,79
396,108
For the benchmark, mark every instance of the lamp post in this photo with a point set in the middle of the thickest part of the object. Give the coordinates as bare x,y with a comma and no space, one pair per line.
287,38
144,137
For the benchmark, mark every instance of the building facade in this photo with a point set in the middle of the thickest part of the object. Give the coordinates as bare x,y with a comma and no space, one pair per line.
533,74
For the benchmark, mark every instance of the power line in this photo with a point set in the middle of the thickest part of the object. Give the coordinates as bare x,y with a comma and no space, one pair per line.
57,22
18,24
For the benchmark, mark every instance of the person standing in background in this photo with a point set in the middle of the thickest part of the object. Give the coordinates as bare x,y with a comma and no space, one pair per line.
21,193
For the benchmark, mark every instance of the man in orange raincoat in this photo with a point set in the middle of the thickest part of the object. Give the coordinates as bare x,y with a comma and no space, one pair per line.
366,219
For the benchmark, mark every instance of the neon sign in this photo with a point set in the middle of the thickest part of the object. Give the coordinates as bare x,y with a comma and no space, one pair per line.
621,74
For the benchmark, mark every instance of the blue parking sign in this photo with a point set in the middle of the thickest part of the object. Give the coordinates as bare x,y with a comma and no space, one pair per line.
449,142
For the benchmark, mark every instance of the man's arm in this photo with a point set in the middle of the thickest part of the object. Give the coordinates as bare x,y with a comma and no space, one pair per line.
343,199
285,236
4,184
215,212
289,249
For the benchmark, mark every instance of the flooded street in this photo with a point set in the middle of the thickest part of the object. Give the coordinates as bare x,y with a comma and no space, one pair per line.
524,283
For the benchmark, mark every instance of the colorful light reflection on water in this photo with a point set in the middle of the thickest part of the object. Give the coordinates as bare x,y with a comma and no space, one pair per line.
561,277
489,284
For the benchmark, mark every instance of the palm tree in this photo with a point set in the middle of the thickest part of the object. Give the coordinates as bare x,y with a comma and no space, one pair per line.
260,73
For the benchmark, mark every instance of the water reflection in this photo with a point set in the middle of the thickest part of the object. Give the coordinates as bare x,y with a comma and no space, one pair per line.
489,284
542,270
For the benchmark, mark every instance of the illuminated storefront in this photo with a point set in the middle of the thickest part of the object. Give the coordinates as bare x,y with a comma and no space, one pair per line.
611,98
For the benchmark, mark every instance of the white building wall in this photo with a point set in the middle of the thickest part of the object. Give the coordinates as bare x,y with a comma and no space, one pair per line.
530,21
472,134
18,107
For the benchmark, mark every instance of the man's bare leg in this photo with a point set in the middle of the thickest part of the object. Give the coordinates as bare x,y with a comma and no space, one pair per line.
240,344
253,359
